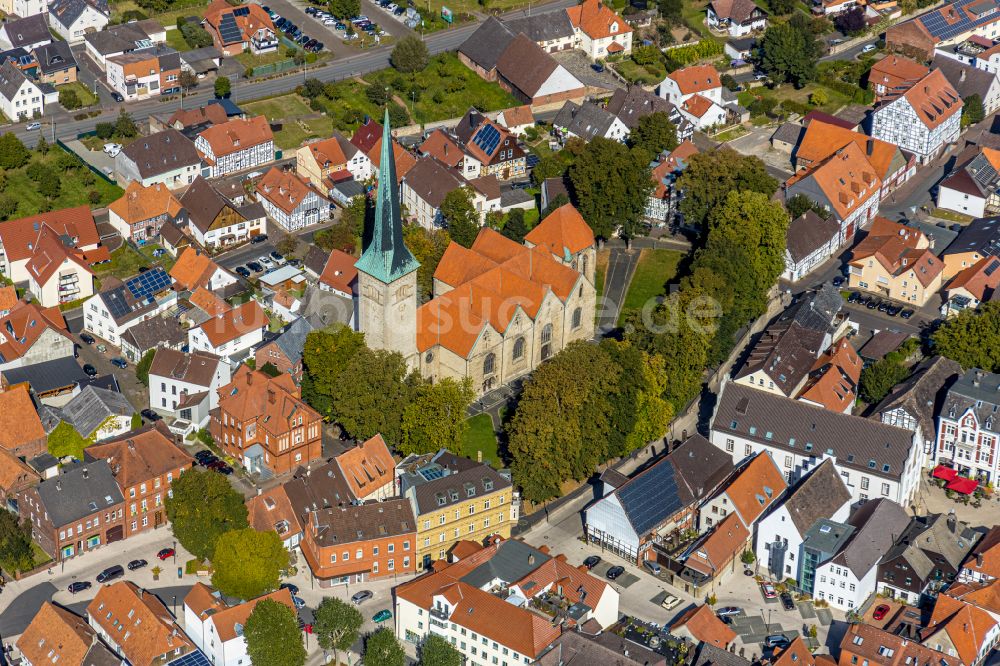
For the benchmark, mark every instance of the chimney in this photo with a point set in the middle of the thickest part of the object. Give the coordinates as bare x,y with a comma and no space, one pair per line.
952,521
979,559
871,146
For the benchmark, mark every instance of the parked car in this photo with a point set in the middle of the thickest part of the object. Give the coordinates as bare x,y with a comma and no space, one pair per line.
884,306
79,586
383,615
117,97
242,271
653,567
136,564
787,602
119,362
869,48
670,602
592,561
906,314
768,591
165,553
265,260
362,596
149,415
291,587
203,454
317,48
255,267
894,310
299,602
112,149
880,612
259,238
398,11
89,370
280,22
872,304
614,572
308,45
111,573
776,640
340,26
34,126
277,256
304,39
597,67
87,338
839,280
728,611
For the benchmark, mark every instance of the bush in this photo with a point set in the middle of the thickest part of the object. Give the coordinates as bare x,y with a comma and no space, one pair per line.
69,99
194,35
104,130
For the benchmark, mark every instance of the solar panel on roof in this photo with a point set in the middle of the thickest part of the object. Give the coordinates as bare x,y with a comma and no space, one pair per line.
487,138
992,267
651,497
241,11
195,658
228,30
149,283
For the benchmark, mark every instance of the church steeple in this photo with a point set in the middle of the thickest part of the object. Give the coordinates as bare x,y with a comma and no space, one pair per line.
387,258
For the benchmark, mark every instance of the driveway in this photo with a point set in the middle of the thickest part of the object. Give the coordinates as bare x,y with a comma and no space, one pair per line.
757,143
621,268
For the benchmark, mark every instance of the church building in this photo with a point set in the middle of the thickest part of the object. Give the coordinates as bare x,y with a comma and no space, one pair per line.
499,308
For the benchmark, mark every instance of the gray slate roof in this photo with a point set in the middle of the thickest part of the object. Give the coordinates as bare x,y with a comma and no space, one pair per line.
80,490
978,391
574,648
707,654
542,27
786,353
30,30
807,233
450,478
966,80
513,561
87,410
982,235
485,46
817,496
922,393
54,57
68,11
116,38
928,538
47,375
635,102
860,444
161,152
150,333
871,540
584,120
292,340
11,79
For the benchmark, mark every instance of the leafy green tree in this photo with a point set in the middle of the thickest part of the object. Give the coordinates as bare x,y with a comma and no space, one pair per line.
325,357
203,507
273,637
372,398
65,441
556,202
436,417
339,236
671,10
653,413
345,8
194,35
410,55
15,543
610,186
800,203
42,146
336,624
13,153
136,421
781,7
142,367
655,133
357,214
125,126
711,175
436,651
788,52
851,22
270,369
398,115
223,87
972,338
49,184
377,95
383,649
287,244
460,216
878,379
427,246
8,206
69,99
248,563
972,110
515,228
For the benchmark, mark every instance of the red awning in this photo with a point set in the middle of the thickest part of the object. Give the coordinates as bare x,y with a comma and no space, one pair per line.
942,472
963,485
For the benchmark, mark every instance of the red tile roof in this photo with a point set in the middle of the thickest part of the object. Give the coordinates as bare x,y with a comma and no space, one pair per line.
696,79
19,422
194,268
755,487
979,279
847,179
284,189
899,249
19,236
237,134
705,627
933,99
28,322
697,105
367,467
597,19
339,272
145,203
563,230
233,323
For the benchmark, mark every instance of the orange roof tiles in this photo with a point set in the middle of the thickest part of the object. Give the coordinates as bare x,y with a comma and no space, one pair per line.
705,627
984,595
756,487
145,203
149,629
237,134
284,189
56,635
19,422
339,272
697,105
822,139
896,72
719,547
563,231
985,556
141,456
28,322
404,160
796,654
207,301
210,113
577,585
235,322
966,626
14,474
696,79
328,152
272,510
443,148
835,388
8,298
249,23
979,279
933,99
225,620
847,179
367,467
193,269
49,255
597,20
19,235
272,401
899,249
518,115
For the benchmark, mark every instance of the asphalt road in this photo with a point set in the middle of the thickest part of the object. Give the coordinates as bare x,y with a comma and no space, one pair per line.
62,124
18,616
621,266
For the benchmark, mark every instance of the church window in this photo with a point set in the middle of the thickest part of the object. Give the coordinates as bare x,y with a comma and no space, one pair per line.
584,265
577,316
519,349
546,341
429,357
489,364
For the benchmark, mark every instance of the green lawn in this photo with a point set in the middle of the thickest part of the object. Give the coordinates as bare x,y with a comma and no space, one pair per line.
164,260
481,438
125,262
73,191
248,59
291,111
636,73
656,268
600,271
40,557
175,40
179,8
277,108
85,94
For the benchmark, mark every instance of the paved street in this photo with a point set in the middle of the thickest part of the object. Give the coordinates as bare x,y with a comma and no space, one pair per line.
621,267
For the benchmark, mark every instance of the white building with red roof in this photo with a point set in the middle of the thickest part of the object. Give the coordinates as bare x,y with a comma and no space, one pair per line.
234,146
290,200
921,120
697,93
600,31
232,333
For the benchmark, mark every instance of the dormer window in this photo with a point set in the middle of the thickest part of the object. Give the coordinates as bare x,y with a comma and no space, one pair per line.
614,27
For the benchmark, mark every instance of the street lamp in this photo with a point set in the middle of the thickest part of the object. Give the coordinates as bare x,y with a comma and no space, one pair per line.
175,551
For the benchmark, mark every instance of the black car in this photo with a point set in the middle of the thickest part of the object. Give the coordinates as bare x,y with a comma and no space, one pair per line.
591,561
294,262
149,415
117,97
242,271
89,370
317,48
207,462
894,310
787,602
280,22
276,255
398,11
204,453
872,304
111,573
225,470
255,267
614,572
291,587
839,280
80,586
137,564
260,238
308,45
855,297
310,10
119,362
304,39
884,306
88,338
906,314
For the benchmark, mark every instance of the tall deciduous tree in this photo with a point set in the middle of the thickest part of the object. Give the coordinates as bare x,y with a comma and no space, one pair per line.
655,133
878,379
325,356
410,55
142,367
223,87
373,399
972,110
789,52
972,338
436,651
515,228
710,176
610,186
273,637
336,624
248,563
15,542
460,216
427,246
344,9
13,154
382,649
203,507
436,417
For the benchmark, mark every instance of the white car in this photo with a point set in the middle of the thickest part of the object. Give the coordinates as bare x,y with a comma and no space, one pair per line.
329,21
33,126
112,149
391,8
670,602
266,261
869,48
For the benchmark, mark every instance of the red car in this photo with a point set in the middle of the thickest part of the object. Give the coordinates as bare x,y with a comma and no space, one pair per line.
880,612
768,591
165,553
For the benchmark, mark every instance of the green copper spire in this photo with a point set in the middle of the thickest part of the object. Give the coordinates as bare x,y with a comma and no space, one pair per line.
387,258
